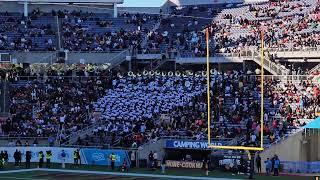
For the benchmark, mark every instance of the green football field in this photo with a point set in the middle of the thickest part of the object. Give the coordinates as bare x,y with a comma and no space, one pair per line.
101,173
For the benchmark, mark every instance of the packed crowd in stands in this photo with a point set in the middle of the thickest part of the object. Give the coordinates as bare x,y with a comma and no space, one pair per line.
296,29
139,109
133,110
19,33
287,24
99,32
52,107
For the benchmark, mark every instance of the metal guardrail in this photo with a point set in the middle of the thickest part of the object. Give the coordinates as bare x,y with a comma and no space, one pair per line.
7,137
192,138
304,49
314,69
286,78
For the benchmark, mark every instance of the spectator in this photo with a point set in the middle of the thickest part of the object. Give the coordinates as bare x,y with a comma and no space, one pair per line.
155,160
268,165
151,160
258,163
163,165
276,166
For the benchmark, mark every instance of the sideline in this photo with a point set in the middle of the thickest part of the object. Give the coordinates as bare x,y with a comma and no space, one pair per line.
110,173
134,174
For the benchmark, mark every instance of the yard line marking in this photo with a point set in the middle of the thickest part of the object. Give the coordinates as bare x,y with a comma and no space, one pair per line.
17,171
21,178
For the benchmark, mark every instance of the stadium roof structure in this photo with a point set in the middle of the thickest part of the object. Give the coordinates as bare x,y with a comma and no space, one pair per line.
313,125
66,1
143,3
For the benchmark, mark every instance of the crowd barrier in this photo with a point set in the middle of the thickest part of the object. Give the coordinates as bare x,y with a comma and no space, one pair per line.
90,156
301,167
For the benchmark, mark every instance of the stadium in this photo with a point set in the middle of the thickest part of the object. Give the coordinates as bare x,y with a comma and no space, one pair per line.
159,89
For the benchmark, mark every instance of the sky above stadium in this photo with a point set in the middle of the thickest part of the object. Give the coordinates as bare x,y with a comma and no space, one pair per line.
143,3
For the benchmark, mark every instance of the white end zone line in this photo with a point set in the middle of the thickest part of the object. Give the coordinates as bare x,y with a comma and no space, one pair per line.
17,171
111,173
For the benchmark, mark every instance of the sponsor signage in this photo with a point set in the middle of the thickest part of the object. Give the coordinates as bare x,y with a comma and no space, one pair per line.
102,157
191,144
88,156
184,164
55,151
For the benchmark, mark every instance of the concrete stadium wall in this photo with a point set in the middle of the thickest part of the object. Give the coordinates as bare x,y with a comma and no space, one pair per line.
298,147
50,57
157,146
298,54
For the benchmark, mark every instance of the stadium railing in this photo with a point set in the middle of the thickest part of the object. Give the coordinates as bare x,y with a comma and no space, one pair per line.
72,56
192,138
311,49
42,141
287,78
292,131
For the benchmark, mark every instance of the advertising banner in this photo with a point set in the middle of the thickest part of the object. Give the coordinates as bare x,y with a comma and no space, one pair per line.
102,157
191,144
55,151
88,156
184,164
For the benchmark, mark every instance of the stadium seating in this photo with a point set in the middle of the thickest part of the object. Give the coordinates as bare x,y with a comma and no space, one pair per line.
294,25
131,107
32,34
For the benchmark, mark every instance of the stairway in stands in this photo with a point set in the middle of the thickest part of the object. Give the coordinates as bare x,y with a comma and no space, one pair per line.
4,99
4,102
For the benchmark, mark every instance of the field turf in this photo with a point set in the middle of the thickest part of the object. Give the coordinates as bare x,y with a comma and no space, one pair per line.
97,173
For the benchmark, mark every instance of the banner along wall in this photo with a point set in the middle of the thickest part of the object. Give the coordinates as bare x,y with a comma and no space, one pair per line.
88,155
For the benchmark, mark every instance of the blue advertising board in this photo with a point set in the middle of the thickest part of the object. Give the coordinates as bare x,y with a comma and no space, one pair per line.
102,157
191,144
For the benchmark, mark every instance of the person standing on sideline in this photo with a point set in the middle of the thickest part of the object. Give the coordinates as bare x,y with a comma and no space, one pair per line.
150,158
79,158
113,160
48,158
75,158
19,157
155,160
163,165
133,159
124,165
268,166
2,162
41,157
276,166
28,159
63,159
2,155
258,162
205,166
6,156
16,157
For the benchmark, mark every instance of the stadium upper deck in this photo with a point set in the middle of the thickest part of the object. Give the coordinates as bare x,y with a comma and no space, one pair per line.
289,24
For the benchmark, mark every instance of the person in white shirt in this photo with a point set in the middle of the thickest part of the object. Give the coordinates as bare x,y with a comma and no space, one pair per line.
155,159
